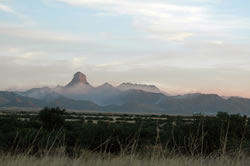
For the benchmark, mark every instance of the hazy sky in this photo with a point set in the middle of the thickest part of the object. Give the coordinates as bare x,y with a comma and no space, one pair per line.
181,46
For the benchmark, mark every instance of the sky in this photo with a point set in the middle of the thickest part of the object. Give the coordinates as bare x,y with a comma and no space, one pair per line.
181,46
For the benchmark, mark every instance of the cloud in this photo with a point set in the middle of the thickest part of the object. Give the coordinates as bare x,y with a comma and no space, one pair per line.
36,34
30,42
168,21
5,8
78,61
171,36
23,18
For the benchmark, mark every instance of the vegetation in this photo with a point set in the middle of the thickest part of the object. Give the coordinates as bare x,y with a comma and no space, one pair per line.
94,159
56,137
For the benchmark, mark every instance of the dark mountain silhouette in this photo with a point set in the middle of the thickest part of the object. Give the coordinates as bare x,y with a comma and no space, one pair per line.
127,97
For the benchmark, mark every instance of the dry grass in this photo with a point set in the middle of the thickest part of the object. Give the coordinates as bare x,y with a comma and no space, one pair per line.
92,159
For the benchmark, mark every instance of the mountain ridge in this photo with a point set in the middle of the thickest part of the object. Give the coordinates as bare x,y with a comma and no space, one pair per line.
127,97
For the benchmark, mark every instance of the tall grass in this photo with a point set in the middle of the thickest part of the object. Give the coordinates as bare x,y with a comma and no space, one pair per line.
54,154
98,159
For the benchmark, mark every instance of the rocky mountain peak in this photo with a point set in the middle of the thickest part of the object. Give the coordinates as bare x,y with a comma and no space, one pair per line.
78,79
144,87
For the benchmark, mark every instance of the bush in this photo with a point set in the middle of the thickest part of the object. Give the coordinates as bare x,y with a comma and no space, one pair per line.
52,118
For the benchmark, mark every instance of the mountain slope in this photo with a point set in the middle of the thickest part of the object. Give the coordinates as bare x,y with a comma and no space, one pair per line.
204,103
45,93
138,96
10,99
74,104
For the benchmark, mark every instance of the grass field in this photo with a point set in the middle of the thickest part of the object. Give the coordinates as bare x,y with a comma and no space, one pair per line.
120,160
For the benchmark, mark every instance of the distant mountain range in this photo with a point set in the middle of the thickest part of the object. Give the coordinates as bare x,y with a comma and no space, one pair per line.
127,97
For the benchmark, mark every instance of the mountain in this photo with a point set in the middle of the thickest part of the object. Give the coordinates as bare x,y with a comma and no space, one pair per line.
79,79
138,96
74,104
146,88
11,99
79,94
105,94
204,103
189,95
44,93
106,86
77,89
